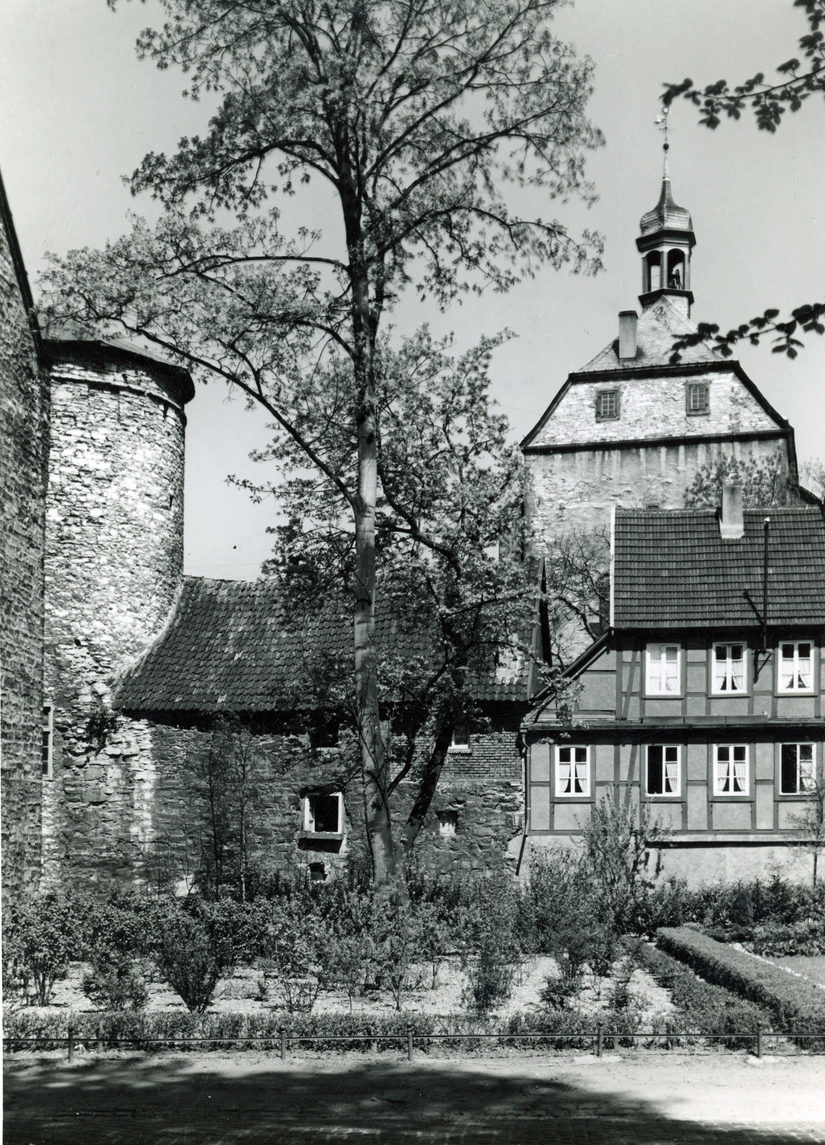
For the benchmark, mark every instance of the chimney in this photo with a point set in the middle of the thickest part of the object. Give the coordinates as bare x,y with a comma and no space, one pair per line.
627,334
732,522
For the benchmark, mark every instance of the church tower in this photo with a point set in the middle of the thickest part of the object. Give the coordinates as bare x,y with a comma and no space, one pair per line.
634,425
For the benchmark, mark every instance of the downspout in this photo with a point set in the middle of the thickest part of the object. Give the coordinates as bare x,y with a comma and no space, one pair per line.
523,750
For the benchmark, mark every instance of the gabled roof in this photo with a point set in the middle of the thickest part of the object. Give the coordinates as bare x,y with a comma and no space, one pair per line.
672,569
233,646
658,326
7,224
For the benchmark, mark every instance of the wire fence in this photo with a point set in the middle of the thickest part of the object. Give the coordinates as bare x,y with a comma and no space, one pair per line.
602,1038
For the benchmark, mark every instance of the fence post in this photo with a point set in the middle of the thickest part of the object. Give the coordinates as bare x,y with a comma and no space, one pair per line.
668,1039
282,1036
598,1039
373,1044
759,1039
100,1037
70,1042
409,1043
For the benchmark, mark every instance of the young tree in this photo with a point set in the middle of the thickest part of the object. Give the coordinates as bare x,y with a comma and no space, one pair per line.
768,102
414,116
810,824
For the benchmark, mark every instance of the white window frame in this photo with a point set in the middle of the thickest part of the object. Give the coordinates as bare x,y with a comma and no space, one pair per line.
694,388
47,742
656,674
308,819
793,664
730,770
726,687
578,762
671,771
461,745
805,768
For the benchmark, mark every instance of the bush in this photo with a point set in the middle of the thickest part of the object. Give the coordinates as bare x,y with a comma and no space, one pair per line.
40,937
192,949
700,1006
807,936
796,1005
115,982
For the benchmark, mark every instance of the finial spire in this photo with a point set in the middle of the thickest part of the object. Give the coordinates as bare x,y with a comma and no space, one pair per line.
662,123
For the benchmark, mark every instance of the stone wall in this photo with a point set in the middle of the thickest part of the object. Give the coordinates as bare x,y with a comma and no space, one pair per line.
147,785
24,412
571,491
114,556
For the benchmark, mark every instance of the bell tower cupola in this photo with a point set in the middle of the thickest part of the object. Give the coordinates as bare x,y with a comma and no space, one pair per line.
665,243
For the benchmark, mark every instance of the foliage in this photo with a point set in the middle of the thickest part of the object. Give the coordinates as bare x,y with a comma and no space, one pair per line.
494,940
617,859
796,1005
115,982
806,936
700,1005
416,117
763,483
193,949
810,823
41,935
769,102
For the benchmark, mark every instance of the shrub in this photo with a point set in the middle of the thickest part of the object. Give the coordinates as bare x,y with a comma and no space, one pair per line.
807,936
700,1006
40,937
797,1005
114,982
192,950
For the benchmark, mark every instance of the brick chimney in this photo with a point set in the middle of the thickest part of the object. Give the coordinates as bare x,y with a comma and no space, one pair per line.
627,333
731,521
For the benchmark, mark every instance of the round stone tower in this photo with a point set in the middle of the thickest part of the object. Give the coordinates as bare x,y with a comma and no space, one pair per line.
114,560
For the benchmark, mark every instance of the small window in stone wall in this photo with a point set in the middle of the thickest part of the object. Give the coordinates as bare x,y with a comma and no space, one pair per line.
47,742
317,873
447,823
697,398
323,813
461,738
324,733
607,405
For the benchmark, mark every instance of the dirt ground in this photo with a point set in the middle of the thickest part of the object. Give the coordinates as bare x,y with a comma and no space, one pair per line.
245,1098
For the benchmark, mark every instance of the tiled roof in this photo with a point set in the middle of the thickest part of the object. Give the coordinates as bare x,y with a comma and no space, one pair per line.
658,325
673,570
232,646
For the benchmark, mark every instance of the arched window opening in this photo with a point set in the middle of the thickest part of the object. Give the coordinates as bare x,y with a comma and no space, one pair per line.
676,270
653,271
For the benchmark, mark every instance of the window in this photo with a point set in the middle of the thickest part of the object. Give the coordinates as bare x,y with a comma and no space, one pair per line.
663,770
323,733
46,742
796,667
697,398
728,669
323,813
461,738
447,823
607,405
796,768
663,670
730,769
572,771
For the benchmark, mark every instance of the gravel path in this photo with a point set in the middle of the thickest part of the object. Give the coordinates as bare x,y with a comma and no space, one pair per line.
245,1098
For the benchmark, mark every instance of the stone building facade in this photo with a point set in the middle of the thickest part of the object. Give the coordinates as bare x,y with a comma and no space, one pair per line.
24,424
633,426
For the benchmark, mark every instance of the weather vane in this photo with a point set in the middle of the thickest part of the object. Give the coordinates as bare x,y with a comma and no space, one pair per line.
662,123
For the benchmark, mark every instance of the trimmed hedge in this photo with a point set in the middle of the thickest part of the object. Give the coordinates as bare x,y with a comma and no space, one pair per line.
700,1006
167,1031
797,1006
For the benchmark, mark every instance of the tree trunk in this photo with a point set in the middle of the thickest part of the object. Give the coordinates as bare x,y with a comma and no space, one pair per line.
428,784
373,756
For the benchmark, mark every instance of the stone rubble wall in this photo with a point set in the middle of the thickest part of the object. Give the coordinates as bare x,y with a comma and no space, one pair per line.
24,435
114,558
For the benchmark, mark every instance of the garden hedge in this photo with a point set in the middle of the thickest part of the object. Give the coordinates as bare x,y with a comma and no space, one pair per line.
797,1006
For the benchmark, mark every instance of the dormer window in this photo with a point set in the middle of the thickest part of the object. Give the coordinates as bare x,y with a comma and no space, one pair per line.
697,398
607,405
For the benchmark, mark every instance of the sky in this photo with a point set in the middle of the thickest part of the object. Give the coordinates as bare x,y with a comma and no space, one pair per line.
78,111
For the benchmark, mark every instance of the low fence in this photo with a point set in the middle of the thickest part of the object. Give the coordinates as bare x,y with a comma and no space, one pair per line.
602,1038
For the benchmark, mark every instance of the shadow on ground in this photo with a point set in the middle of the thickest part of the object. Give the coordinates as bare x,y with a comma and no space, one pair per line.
183,1101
